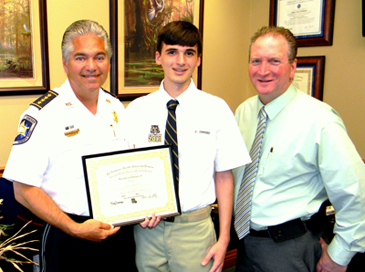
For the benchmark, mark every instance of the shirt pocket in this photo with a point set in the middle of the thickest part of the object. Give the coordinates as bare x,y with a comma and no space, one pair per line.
277,168
202,144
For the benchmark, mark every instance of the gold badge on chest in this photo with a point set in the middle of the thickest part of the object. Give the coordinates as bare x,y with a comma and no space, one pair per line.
70,131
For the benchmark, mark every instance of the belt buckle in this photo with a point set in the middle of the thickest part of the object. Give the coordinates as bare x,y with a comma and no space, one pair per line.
170,219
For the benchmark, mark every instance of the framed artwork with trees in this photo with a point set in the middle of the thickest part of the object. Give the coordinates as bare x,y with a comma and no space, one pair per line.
134,26
23,47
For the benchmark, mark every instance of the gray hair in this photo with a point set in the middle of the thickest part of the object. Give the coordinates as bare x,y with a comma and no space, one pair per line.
80,28
276,31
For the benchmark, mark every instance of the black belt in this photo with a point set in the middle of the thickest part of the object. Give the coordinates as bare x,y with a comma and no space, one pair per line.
259,233
289,230
294,228
282,232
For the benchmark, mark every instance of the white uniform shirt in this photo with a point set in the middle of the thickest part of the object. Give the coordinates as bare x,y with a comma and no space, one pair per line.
208,138
62,132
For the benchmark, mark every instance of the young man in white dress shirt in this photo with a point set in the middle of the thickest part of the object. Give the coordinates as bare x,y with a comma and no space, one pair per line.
209,146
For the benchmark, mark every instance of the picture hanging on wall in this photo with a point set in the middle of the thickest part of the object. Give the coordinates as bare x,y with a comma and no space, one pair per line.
309,75
23,47
311,21
134,27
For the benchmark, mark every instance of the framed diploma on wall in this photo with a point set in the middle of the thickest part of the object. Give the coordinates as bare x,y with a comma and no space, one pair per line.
309,75
310,21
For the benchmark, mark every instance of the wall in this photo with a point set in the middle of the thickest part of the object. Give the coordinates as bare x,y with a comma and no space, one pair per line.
225,47
228,26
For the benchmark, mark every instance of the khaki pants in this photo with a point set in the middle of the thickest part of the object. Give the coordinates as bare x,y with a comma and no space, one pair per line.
174,246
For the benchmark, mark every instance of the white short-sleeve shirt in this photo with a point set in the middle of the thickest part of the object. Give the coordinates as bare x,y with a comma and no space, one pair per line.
208,138
51,141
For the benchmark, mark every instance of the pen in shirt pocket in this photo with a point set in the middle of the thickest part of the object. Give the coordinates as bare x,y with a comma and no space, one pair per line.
271,150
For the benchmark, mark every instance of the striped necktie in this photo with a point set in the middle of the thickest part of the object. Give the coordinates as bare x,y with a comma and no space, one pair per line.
171,137
243,203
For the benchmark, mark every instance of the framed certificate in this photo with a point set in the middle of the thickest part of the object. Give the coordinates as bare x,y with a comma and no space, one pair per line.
124,187
309,75
310,21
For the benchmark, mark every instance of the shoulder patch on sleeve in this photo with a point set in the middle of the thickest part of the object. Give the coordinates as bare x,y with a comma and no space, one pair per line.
42,101
25,130
109,93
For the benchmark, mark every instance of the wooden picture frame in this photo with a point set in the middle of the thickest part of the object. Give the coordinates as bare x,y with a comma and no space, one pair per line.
310,75
363,17
26,71
324,38
117,36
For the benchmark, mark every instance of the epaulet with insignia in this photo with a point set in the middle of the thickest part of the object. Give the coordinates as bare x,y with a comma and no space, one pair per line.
44,99
109,93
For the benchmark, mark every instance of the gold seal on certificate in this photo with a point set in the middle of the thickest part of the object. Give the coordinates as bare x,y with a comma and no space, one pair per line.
124,187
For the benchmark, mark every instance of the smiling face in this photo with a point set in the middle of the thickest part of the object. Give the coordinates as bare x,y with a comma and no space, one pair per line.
270,71
88,65
178,63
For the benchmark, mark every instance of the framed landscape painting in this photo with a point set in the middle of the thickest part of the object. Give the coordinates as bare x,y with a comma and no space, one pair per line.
23,47
134,27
